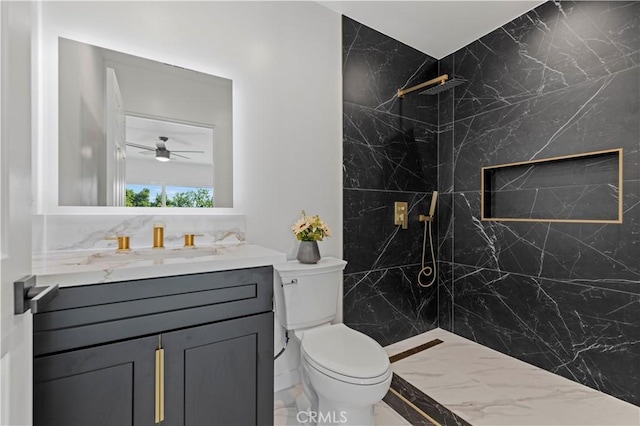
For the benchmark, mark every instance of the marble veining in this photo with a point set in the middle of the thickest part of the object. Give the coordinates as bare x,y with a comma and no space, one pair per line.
375,66
70,268
486,387
285,412
371,239
579,188
390,154
595,254
482,387
388,305
436,411
583,333
562,79
387,152
88,232
589,117
406,411
553,47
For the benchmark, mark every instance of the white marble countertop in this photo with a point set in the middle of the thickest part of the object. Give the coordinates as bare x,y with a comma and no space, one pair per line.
71,268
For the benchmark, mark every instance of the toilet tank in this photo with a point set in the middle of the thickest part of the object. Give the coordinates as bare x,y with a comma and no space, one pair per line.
307,294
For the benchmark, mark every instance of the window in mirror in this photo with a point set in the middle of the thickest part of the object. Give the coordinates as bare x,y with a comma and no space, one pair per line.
168,196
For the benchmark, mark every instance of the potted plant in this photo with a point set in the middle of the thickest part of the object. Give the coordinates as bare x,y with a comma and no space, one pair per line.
309,230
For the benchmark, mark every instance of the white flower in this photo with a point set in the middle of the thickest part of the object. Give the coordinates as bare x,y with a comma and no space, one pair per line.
300,226
310,228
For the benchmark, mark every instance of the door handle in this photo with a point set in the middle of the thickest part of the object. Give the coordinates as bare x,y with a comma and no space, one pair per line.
27,296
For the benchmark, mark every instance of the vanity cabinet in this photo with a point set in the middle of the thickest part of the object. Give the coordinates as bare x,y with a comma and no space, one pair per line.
102,386
212,372
186,350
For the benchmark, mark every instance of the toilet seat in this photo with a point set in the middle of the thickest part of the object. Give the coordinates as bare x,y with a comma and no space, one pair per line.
346,355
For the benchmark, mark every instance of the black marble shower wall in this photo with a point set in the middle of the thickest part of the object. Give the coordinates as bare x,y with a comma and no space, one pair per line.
390,154
562,79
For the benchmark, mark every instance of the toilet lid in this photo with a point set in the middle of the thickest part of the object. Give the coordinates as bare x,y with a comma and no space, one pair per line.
346,352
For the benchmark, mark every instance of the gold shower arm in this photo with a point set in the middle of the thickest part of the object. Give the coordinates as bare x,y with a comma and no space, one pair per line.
440,79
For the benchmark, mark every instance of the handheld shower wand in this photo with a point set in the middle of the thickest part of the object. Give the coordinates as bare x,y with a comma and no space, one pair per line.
428,271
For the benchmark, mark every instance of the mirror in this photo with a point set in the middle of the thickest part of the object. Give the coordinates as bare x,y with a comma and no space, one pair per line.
137,132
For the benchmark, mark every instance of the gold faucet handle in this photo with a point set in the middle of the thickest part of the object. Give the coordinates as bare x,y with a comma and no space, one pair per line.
158,236
123,242
190,239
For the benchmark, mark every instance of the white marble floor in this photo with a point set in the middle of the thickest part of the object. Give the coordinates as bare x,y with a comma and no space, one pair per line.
285,412
487,388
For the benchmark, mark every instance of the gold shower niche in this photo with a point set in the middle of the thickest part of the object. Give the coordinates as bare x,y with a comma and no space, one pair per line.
579,188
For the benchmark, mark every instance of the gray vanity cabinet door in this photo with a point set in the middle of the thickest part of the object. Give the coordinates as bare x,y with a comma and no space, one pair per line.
220,374
110,384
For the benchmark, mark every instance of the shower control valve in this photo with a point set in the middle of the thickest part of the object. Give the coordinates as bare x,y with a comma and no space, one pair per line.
401,214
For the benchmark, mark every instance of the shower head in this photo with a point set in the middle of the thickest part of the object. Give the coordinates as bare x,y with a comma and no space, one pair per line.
449,84
442,81
432,208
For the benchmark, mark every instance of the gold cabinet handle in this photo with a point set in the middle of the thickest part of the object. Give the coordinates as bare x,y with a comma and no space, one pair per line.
159,385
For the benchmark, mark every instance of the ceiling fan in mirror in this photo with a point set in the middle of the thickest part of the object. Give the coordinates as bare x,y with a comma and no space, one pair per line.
161,152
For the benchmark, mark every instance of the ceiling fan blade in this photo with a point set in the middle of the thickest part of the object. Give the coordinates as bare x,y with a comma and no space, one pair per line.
201,152
135,145
178,155
147,152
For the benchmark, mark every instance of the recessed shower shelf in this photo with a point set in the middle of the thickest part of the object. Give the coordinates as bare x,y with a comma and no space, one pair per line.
579,188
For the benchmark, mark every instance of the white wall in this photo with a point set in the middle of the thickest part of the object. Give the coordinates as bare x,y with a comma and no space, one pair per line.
285,62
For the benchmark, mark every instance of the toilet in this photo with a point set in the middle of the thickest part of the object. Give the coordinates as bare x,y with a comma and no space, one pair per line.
344,372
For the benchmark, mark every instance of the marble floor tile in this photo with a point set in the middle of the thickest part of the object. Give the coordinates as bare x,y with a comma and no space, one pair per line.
284,407
485,387
387,416
406,344
284,410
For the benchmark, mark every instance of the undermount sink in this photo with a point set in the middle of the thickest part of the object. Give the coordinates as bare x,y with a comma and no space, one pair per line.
150,254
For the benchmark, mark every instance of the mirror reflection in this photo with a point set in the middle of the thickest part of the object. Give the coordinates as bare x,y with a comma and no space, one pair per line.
136,132
173,162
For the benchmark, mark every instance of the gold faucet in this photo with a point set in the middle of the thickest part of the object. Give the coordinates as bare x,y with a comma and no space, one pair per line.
190,240
158,236
123,243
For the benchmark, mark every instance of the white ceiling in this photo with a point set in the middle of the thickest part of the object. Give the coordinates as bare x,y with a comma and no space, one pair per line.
436,28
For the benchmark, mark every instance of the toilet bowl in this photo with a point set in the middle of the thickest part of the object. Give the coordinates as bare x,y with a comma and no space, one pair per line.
344,372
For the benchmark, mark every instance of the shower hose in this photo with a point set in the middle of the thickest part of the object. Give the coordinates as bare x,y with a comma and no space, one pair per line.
427,271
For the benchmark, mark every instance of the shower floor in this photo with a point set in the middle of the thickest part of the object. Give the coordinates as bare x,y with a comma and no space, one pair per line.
459,382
